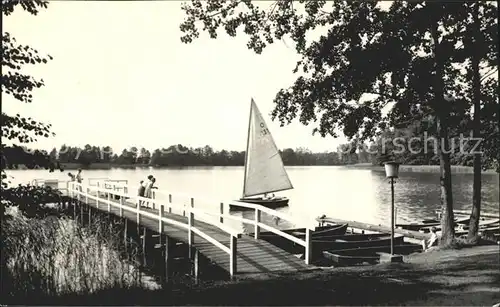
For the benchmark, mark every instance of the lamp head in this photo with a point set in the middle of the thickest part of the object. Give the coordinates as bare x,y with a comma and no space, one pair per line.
391,169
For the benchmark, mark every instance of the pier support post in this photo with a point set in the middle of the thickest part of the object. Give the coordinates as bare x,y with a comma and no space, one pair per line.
196,265
81,213
98,195
161,211
191,224
221,208
308,250
233,263
153,197
74,209
257,221
144,235
392,216
170,202
122,203
167,253
109,204
125,232
90,214
138,215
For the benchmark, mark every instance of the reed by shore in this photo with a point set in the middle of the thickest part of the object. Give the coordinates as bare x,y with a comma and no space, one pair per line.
55,256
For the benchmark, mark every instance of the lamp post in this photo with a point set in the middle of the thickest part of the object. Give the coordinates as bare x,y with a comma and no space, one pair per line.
392,171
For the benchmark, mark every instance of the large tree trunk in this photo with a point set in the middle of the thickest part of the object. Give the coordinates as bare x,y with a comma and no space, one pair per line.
447,218
442,108
476,87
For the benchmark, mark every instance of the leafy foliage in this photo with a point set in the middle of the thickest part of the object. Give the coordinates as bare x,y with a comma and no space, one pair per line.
17,128
31,6
32,200
20,86
366,50
406,55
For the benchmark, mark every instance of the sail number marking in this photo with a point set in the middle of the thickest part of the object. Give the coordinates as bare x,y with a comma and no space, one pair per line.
263,130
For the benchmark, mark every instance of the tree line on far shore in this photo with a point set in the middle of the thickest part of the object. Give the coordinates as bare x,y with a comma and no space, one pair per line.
375,153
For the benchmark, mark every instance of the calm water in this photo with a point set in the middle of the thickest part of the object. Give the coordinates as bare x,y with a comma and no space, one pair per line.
356,194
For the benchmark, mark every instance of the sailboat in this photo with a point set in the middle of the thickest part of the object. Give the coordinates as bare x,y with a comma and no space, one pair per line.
264,169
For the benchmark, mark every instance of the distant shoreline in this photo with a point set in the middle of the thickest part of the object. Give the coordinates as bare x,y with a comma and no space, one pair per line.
456,169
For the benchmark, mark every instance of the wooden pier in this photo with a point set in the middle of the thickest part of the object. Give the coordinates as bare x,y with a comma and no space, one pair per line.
233,251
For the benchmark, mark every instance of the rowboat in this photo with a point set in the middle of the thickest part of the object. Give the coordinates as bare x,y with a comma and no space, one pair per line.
319,231
492,232
292,247
367,254
426,225
483,223
351,237
264,171
355,241
415,226
462,225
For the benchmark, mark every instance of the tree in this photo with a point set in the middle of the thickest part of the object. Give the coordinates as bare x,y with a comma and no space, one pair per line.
480,41
20,86
404,55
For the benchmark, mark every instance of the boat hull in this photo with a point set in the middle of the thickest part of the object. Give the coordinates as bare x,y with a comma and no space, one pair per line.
354,242
368,255
292,247
426,225
269,203
319,231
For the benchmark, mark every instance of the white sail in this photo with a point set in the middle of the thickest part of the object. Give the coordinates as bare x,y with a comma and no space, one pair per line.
264,169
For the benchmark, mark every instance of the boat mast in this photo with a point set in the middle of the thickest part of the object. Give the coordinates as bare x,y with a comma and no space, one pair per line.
246,151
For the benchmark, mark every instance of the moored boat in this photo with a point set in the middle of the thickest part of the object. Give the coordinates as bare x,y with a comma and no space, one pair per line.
351,237
354,241
319,231
292,247
426,225
462,225
264,172
367,254
275,202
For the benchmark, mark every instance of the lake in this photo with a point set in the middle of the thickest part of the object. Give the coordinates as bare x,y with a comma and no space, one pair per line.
336,191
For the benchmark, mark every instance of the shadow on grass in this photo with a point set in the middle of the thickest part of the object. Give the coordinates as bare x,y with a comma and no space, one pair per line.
467,282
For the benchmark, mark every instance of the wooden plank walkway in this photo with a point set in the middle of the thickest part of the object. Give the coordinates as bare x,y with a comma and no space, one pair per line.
253,256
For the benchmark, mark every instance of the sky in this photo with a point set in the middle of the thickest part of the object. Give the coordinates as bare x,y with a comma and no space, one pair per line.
121,77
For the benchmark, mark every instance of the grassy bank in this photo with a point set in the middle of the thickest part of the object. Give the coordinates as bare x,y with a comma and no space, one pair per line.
56,256
468,277
456,169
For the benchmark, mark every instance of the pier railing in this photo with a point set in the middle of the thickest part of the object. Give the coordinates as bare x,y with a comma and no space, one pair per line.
256,222
104,193
53,183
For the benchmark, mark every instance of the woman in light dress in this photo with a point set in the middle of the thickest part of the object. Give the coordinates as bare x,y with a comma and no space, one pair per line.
149,186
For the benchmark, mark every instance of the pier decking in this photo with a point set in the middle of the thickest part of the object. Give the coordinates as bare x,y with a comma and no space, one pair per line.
233,251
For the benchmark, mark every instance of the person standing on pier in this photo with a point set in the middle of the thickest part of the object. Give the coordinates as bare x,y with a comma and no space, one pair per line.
142,188
140,191
149,186
79,178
